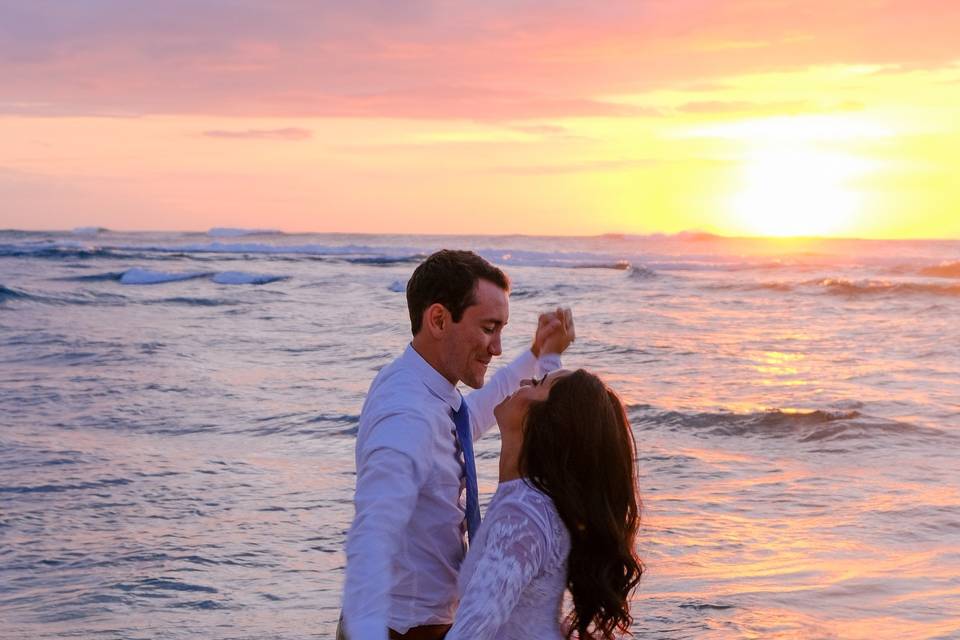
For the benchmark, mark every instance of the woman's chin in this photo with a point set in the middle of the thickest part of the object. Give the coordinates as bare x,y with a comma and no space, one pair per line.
509,415
498,413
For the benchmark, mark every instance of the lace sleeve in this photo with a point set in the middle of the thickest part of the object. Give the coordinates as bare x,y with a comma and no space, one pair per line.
513,552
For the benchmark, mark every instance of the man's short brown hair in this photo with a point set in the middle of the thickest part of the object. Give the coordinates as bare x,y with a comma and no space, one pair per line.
450,278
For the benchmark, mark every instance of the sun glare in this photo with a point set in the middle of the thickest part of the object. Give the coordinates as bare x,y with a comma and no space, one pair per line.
797,192
798,174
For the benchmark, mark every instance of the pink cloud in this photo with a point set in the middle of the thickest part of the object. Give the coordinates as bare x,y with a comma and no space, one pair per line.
598,166
718,107
431,59
289,133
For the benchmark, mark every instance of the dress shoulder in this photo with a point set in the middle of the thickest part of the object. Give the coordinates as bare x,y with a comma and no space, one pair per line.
513,579
523,501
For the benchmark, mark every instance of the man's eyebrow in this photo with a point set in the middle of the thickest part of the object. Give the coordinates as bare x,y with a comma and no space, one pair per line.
494,321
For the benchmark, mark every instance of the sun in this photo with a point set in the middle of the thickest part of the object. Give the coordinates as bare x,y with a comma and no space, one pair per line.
797,191
799,175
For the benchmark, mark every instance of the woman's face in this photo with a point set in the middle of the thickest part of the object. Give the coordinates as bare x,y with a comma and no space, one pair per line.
511,413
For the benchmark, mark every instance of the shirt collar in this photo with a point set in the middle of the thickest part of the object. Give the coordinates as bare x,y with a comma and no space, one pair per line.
431,378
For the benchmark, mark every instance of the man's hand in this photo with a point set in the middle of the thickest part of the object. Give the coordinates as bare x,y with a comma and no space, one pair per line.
555,332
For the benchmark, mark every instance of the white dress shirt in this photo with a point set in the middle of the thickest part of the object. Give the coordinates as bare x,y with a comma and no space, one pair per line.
406,543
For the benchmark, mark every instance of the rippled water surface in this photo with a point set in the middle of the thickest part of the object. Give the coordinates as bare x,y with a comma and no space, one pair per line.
179,412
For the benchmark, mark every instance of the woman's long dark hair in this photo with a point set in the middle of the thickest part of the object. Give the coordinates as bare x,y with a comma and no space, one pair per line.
578,448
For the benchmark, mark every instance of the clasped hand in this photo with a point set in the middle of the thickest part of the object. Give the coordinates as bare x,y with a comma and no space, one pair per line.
555,332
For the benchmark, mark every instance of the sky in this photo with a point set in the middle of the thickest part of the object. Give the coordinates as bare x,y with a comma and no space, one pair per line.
736,117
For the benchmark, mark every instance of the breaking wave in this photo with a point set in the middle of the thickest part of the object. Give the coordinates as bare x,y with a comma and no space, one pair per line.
386,261
54,251
844,287
147,276
804,426
232,232
89,231
95,277
640,272
7,293
619,265
140,276
74,298
241,277
943,270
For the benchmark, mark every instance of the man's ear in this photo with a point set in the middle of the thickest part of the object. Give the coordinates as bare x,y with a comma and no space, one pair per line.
437,319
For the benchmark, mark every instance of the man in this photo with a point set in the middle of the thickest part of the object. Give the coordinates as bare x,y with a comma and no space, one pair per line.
406,543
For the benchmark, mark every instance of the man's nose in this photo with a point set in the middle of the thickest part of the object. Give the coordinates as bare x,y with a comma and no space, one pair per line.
494,347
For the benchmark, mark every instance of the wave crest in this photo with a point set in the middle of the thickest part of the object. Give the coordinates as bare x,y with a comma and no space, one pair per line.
804,426
241,277
641,272
137,275
233,232
943,270
618,265
386,261
842,286
54,251
6,293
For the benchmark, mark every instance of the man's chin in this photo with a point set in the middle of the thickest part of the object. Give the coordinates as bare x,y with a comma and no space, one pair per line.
476,380
474,383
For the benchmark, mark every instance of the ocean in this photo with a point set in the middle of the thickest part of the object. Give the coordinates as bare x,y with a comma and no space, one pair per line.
179,412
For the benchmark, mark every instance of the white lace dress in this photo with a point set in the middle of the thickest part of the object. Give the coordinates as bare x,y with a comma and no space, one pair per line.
513,578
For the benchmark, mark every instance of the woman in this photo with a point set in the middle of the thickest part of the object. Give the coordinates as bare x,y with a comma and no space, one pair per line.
565,515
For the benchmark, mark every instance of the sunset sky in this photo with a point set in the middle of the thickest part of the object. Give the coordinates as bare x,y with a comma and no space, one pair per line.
738,117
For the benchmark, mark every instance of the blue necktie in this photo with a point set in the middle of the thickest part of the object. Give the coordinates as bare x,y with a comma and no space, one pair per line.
461,419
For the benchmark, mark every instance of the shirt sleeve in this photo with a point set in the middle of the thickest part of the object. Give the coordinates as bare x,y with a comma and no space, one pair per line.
549,362
512,555
504,382
390,472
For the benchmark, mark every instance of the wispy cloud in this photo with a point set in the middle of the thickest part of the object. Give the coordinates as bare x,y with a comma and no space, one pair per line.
720,107
289,133
594,166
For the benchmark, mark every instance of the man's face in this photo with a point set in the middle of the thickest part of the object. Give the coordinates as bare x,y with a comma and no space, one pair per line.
475,340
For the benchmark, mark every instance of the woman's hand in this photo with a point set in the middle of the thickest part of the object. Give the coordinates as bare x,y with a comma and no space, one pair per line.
555,332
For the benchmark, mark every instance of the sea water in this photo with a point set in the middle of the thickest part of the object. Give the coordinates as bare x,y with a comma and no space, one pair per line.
178,415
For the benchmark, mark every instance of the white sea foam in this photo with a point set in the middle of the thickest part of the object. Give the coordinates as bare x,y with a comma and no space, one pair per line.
528,258
241,277
264,248
137,275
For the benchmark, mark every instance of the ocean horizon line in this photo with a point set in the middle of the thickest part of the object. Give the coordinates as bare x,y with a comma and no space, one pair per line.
688,234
